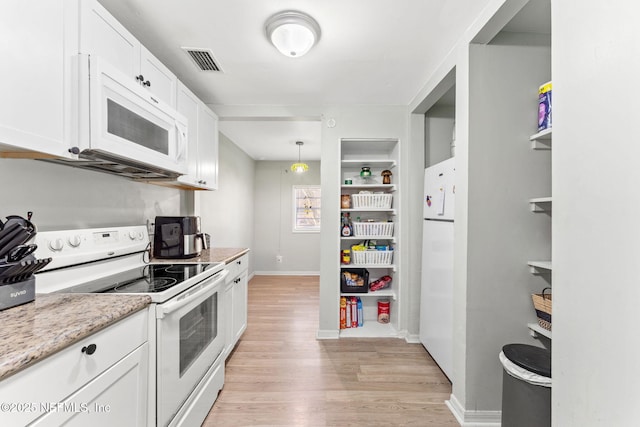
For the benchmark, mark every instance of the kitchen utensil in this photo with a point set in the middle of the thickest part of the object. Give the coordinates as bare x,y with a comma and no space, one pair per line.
21,251
15,231
21,270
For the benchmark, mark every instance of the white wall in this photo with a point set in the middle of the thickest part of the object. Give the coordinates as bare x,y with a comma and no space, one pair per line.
596,212
502,232
63,197
227,213
273,220
356,122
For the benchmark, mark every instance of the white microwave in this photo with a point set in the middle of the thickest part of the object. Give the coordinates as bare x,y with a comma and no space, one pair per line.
123,128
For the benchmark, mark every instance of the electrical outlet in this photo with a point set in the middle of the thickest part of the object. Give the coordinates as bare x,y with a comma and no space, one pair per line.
279,259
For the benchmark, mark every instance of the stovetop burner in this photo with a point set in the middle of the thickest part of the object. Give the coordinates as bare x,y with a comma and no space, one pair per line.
148,279
157,284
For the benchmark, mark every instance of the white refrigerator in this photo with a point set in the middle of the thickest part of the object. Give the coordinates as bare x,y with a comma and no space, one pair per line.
436,297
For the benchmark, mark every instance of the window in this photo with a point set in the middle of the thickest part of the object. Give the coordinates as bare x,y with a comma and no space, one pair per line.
306,208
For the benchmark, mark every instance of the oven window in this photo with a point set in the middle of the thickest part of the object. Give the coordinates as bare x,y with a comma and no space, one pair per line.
126,124
198,328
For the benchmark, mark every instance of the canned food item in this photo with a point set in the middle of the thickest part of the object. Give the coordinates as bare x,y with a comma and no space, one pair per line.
345,201
383,310
348,182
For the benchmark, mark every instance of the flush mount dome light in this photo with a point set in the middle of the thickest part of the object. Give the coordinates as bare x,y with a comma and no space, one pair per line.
293,33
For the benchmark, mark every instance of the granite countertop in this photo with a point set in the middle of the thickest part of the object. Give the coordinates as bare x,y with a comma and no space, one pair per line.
225,255
33,331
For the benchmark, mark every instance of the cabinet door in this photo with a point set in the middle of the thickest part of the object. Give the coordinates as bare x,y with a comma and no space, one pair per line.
157,77
35,101
207,148
101,34
187,105
240,288
117,397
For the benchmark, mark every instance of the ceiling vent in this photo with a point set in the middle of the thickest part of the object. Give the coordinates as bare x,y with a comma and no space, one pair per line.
203,58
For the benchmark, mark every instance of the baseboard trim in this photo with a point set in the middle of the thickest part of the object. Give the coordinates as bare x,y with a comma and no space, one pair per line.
286,273
473,418
327,334
412,338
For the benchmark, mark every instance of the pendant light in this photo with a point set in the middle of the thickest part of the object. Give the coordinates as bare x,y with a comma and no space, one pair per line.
293,33
299,167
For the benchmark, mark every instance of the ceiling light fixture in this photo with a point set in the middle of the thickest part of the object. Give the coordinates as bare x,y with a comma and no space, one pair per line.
299,167
293,33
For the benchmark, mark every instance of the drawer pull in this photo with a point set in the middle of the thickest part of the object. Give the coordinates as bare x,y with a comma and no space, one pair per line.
90,349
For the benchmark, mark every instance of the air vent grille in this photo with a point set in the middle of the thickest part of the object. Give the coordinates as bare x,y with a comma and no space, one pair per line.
203,58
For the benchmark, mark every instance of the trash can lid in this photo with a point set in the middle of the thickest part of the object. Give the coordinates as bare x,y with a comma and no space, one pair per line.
533,359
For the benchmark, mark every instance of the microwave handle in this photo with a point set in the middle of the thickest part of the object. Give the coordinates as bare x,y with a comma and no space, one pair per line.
189,297
181,133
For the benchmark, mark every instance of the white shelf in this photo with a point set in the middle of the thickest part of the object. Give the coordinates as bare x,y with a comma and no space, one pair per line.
390,187
541,140
393,266
370,329
540,204
383,293
376,163
538,330
391,211
393,239
538,267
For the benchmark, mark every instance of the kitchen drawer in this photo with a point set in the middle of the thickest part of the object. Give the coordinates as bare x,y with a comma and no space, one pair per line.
237,266
60,375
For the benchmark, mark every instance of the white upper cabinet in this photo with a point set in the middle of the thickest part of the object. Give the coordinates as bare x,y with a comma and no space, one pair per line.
34,115
203,141
101,34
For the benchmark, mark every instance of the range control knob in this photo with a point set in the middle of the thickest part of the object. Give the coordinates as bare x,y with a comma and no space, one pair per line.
140,235
132,235
74,241
56,245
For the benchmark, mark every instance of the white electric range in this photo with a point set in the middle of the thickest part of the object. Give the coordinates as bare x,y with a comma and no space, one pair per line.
186,300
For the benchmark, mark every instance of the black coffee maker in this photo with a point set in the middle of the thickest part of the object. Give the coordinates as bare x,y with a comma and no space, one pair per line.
178,237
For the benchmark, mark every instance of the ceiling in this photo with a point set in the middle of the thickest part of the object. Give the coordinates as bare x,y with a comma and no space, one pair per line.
371,52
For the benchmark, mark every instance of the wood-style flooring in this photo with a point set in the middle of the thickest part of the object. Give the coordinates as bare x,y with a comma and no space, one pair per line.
280,375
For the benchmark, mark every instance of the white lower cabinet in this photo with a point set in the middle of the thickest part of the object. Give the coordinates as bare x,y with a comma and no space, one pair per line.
102,380
236,298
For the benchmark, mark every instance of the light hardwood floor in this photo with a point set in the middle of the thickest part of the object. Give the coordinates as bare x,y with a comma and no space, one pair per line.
280,375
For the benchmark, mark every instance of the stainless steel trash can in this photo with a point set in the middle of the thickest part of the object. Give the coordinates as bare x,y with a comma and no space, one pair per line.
526,386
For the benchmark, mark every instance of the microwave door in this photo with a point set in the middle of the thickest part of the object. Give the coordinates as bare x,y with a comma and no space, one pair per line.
127,121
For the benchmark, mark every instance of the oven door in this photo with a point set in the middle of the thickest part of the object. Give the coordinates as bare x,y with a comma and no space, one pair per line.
190,338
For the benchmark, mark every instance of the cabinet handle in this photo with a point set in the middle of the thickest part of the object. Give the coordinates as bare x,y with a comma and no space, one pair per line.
146,83
140,78
74,150
239,262
90,349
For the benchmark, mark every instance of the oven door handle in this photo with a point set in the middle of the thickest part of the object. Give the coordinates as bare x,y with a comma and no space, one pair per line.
192,295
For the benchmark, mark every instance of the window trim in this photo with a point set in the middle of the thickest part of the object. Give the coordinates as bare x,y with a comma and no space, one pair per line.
295,227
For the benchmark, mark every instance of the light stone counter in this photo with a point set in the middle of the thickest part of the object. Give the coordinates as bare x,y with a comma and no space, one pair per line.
225,255
33,331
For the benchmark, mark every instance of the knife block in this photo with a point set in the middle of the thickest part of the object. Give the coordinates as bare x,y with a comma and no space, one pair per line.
13,294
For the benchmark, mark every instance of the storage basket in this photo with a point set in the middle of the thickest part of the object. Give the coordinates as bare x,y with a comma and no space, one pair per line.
542,305
373,229
350,283
372,257
369,201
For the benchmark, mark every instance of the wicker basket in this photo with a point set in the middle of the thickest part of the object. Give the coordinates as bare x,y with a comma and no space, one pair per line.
542,305
373,229
371,201
371,257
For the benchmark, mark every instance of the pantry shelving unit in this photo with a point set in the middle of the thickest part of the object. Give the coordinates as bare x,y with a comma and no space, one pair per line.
540,141
378,155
